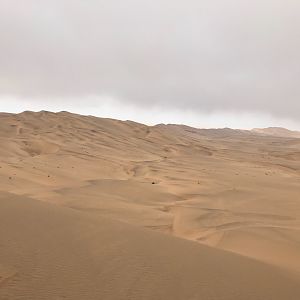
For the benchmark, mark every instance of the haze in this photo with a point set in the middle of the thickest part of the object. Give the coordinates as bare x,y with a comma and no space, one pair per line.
205,63
150,150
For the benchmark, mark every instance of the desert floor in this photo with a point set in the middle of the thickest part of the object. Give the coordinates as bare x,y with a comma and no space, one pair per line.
94,208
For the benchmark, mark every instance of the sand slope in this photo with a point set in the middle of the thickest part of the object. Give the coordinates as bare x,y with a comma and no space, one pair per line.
60,253
277,131
129,187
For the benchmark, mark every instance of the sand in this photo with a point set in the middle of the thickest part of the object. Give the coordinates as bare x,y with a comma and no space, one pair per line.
94,208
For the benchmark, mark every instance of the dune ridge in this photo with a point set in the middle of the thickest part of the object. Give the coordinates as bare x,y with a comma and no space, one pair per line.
277,131
146,204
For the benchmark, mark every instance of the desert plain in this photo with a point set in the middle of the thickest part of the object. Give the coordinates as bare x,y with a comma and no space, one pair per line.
95,208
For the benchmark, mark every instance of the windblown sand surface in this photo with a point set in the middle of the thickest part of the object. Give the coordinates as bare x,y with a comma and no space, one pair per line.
96,208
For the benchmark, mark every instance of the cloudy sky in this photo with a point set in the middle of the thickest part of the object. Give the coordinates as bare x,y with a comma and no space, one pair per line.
207,63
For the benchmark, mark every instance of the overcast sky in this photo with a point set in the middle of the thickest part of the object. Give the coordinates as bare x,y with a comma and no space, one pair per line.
208,63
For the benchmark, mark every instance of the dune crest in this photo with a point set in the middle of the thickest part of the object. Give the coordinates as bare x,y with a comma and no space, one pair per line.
161,212
277,131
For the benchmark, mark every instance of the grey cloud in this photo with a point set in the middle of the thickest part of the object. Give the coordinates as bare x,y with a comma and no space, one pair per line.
203,55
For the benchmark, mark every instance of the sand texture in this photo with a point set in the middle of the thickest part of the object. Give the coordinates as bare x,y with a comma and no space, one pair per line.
94,208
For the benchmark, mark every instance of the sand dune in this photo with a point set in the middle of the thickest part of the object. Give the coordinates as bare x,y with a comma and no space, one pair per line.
277,131
97,208
61,253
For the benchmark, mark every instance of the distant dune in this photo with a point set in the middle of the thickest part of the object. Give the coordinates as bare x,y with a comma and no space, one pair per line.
94,208
277,131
